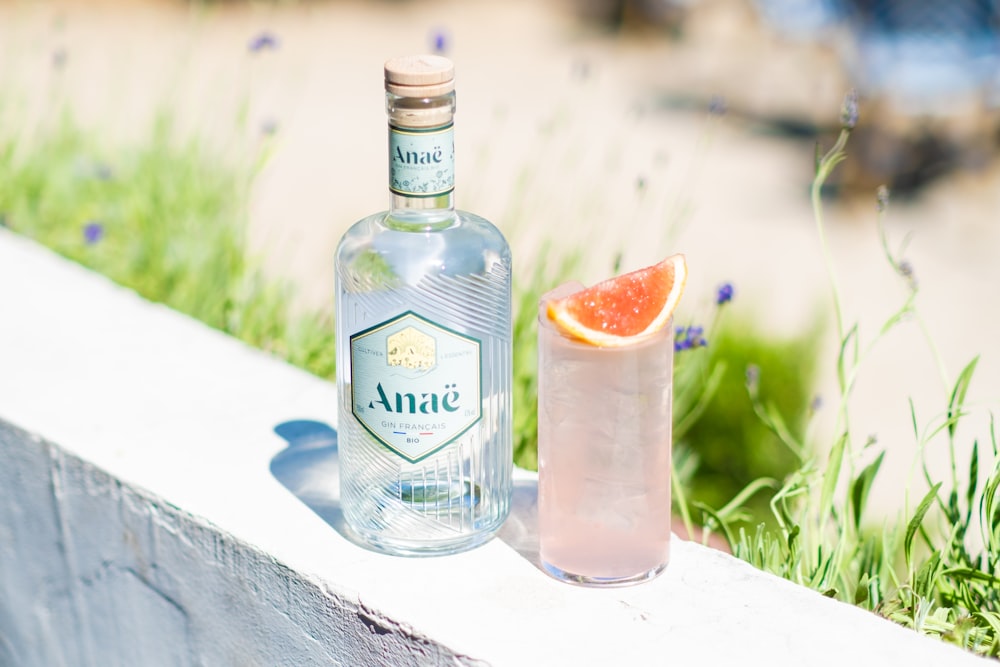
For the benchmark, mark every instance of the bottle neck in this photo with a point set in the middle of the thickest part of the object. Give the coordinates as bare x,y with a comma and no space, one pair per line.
421,158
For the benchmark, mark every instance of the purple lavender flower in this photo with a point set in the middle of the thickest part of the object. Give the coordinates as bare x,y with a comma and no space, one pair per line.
93,232
102,172
882,198
690,337
905,269
264,40
680,342
717,105
849,112
269,127
725,294
439,41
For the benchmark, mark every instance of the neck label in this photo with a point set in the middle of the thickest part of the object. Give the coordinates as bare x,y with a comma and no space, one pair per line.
422,162
415,385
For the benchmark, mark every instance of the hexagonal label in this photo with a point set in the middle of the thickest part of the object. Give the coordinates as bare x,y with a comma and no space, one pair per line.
415,385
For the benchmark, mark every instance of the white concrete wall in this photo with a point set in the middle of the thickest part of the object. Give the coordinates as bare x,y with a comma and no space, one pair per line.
168,496
95,572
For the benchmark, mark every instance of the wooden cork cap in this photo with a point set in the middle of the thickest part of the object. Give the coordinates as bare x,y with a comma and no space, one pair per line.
419,76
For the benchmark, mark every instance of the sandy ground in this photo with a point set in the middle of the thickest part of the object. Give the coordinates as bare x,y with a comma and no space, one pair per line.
565,132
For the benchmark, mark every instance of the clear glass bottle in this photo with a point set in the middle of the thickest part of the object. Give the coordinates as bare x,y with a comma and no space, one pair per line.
423,342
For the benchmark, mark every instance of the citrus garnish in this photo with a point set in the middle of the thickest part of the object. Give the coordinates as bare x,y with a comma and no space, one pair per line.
620,310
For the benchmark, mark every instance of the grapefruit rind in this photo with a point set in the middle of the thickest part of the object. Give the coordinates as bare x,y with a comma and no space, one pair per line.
560,312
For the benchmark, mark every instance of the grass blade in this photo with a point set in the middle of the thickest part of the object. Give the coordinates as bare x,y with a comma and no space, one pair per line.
831,475
914,525
721,525
748,491
992,621
925,582
971,574
684,424
860,488
958,395
970,494
852,335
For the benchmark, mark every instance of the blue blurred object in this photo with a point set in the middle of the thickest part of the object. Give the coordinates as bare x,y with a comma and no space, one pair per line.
801,18
928,71
925,54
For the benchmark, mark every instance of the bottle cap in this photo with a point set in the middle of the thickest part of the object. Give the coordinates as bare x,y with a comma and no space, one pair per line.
419,76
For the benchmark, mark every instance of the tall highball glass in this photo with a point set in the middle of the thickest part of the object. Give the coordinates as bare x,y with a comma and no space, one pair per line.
604,441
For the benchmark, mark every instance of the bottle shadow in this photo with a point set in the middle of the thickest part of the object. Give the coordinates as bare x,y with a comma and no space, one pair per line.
310,469
520,530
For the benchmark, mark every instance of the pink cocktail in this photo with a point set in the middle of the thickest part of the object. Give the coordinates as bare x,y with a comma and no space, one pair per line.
604,440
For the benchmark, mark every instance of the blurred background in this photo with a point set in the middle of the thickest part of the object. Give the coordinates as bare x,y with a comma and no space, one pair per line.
622,129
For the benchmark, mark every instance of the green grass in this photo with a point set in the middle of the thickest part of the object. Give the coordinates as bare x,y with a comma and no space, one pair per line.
936,567
725,439
170,219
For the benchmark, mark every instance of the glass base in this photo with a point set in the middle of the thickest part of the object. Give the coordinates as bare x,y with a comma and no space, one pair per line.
601,582
417,548
432,519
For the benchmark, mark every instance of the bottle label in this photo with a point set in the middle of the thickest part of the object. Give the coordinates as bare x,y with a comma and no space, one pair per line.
415,385
422,163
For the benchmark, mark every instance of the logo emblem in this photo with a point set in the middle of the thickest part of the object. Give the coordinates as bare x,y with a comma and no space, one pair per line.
411,348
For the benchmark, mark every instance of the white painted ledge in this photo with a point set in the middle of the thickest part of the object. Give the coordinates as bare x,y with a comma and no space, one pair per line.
168,497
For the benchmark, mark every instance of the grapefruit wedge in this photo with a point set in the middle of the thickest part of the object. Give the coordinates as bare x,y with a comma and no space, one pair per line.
624,309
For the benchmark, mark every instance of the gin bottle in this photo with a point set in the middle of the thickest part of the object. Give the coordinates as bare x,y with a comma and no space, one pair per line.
423,342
